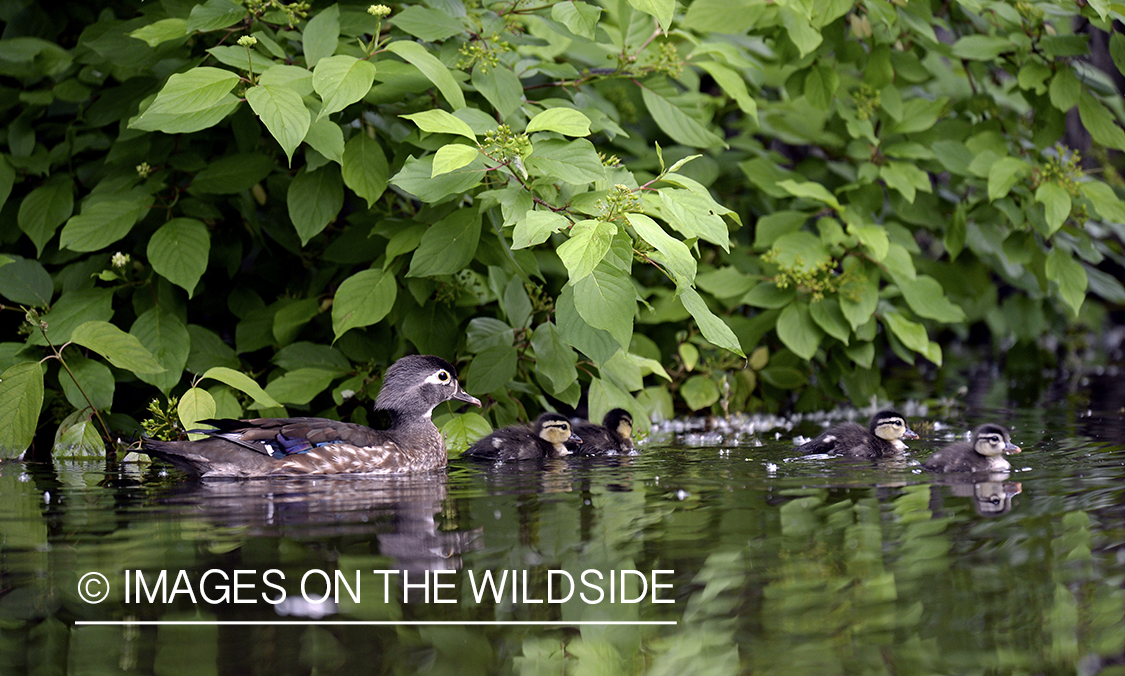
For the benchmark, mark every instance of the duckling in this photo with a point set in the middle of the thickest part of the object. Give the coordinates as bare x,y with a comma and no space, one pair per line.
985,453
882,437
613,436
412,387
519,442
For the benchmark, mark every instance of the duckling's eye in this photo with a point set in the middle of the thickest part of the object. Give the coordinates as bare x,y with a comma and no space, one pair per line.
443,376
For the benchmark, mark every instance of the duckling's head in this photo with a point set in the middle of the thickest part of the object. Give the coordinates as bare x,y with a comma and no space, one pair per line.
555,430
891,426
415,384
619,421
993,440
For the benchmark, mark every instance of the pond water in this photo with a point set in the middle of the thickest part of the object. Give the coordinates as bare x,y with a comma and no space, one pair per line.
710,552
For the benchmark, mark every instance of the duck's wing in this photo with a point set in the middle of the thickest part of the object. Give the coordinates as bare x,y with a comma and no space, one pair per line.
280,437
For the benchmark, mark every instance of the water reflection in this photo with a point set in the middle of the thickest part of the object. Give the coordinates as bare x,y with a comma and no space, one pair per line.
991,493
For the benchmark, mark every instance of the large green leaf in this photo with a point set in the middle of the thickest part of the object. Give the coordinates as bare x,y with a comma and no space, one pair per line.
196,404
693,215
102,223
26,282
417,178
326,137
364,167
190,101
554,359
699,392
595,343
321,36
607,300
536,227
679,125
163,334
573,162
464,430
164,30
1100,122
300,386
1070,277
500,86
45,209
579,17
363,299
671,253
416,55
714,329
213,15
341,81
284,114
242,383
437,121
178,252
448,246
926,298
232,174
798,331
315,199
21,397
565,121
121,349
587,246
429,25
91,378
71,310
492,369
452,157
661,9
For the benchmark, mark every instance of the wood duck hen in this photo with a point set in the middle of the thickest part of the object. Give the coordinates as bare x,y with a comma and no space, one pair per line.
613,436
547,439
412,387
882,437
984,454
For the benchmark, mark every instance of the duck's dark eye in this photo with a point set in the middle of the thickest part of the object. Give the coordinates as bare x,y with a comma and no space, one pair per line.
443,376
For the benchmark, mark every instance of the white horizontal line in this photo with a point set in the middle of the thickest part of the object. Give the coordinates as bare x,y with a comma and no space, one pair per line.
380,623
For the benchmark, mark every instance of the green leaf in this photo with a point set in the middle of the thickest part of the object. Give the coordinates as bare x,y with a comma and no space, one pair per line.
95,379
448,245
296,78
982,47
573,162
72,309
452,157
1003,176
416,55
321,36
207,350
326,137
26,282
416,178
195,404
800,30
242,383
873,237
597,344
1065,88
21,398
44,210
232,174
554,359
580,18
783,377
1070,277
429,25
341,81
7,181
1099,121
682,127
607,300
912,334
492,369
291,317
536,227
828,316
166,338
800,251
859,299
121,349
314,200
463,430
101,224
905,178
179,250
714,329
694,215
565,121
284,114
671,253
733,85
191,101
164,30
661,9
587,246
768,295
437,121
798,331
926,298
213,15
809,190
363,299
1056,204
77,437
500,86
1105,201
699,392
364,167
300,386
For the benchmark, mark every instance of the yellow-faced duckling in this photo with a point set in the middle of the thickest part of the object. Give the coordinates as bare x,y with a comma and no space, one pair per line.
547,440
984,454
412,387
613,436
882,437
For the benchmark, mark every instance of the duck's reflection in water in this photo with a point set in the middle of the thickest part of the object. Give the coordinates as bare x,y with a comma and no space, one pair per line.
400,512
991,492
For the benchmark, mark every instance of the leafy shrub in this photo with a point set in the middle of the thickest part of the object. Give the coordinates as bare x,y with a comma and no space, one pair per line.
624,198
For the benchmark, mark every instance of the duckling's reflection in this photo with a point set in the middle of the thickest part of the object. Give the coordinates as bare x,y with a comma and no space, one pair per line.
401,512
991,492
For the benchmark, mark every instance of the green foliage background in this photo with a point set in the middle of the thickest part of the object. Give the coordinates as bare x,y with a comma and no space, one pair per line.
717,205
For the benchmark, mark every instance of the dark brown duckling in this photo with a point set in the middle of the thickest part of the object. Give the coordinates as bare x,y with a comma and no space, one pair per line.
547,439
412,388
984,454
613,436
882,437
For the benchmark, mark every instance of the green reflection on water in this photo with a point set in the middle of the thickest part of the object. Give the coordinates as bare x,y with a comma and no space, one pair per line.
809,568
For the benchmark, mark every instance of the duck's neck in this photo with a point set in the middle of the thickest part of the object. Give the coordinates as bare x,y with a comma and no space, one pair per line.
413,427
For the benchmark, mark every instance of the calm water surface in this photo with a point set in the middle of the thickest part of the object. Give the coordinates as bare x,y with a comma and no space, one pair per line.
766,563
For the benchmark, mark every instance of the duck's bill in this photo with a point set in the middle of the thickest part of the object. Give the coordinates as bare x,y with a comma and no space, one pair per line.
1012,448
464,396
909,434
